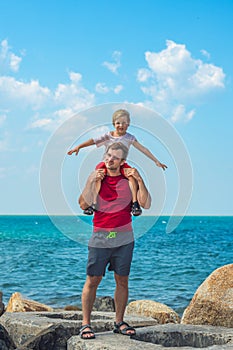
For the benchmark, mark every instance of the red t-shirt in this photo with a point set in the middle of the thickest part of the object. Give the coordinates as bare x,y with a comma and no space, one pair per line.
114,205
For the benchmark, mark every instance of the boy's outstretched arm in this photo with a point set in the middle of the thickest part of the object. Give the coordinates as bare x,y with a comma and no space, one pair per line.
87,143
148,153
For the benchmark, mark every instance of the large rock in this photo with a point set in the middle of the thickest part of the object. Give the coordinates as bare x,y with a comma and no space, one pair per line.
104,304
2,306
212,303
149,308
50,330
160,337
6,342
178,336
54,337
18,304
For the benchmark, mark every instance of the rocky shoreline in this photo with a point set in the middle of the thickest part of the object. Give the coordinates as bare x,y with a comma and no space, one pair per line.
206,323
59,331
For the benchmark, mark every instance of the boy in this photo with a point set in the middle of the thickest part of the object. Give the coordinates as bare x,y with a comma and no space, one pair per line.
121,122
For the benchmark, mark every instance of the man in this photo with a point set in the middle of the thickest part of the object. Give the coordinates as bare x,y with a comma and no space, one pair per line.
112,241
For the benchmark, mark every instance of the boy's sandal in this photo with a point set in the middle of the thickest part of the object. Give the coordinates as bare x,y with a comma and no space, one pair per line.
124,331
136,209
90,210
83,333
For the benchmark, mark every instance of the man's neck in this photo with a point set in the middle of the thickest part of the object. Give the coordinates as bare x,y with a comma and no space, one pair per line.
113,172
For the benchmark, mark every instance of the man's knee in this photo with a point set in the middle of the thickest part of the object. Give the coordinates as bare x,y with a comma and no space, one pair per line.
121,281
93,281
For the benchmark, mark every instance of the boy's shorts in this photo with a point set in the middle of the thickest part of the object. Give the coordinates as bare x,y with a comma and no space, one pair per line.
119,260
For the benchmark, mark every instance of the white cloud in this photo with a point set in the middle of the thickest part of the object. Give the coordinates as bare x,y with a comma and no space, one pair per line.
99,131
65,101
41,123
143,74
6,172
115,65
207,77
101,88
8,60
75,77
52,107
22,94
205,53
117,89
74,95
174,79
179,113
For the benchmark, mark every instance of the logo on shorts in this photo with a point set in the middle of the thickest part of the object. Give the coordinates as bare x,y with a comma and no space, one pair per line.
112,234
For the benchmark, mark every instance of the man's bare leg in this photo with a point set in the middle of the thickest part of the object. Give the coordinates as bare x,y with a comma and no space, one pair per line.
121,298
88,299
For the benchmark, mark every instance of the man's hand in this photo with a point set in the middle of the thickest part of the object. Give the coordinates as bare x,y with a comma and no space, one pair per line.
97,175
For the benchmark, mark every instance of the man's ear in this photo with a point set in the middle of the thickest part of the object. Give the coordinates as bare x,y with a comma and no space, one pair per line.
122,162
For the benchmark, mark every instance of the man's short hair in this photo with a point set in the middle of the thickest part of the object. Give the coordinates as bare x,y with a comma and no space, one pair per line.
119,145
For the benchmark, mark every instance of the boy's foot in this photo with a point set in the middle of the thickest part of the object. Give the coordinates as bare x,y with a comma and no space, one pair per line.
90,210
136,209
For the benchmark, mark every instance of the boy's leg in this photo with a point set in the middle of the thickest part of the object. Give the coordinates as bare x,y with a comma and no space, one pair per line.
95,194
136,209
133,188
90,210
93,207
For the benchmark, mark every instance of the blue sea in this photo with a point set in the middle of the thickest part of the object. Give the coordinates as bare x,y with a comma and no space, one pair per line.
44,264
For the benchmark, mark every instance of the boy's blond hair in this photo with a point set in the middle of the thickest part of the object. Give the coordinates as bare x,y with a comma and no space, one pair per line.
120,113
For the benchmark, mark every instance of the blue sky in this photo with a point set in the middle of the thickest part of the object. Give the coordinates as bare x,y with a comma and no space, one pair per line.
60,58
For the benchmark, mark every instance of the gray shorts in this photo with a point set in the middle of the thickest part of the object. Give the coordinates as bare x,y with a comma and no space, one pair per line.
119,260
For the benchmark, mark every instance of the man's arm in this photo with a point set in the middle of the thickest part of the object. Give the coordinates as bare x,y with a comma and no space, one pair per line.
86,198
143,196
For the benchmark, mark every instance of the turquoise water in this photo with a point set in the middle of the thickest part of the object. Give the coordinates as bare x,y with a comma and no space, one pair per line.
43,264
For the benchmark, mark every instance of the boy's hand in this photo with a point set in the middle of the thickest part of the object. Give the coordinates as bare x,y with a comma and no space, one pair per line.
74,150
160,165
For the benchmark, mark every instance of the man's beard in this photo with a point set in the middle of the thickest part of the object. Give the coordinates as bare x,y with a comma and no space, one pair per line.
111,167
